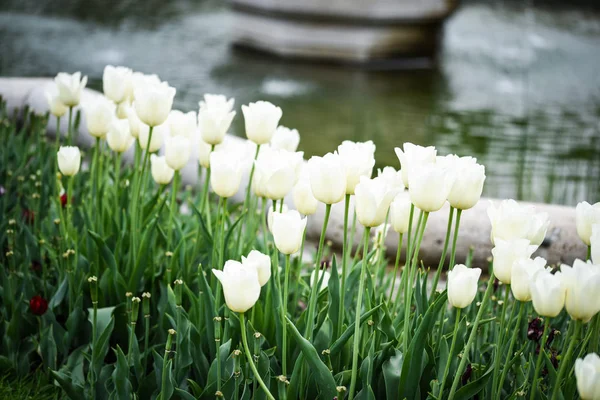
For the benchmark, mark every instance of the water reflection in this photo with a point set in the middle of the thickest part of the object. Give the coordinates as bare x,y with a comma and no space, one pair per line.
516,86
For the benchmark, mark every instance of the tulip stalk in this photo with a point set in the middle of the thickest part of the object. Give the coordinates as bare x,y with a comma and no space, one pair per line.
438,273
172,206
395,275
451,353
566,359
94,296
538,364
356,338
345,255
283,315
166,364
513,339
70,130
204,206
249,357
500,339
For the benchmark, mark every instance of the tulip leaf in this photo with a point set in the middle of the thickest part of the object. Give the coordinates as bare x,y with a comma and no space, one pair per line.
341,341
202,226
471,389
120,376
74,391
334,296
104,251
391,375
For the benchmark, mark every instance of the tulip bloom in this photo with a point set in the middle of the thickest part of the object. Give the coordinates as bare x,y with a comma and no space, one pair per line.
69,160
288,231
56,107
177,151
547,293
505,253
99,114
462,285
522,273
116,83
70,87
153,103
285,139
358,160
373,198
261,263
261,120
161,172
275,173
141,80
582,284
215,117
134,122
327,178
595,243
429,186
38,305
304,200
270,213
241,286
118,138
324,277
182,124
511,220
159,133
392,177
586,215
587,373
413,157
468,183
226,173
400,213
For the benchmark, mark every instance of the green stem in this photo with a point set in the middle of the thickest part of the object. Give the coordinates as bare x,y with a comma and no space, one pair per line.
204,206
538,364
456,226
465,356
172,208
566,362
249,358
57,137
163,380
500,339
398,254
345,254
451,354
283,314
117,186
356,339
70,130
516,330
436,279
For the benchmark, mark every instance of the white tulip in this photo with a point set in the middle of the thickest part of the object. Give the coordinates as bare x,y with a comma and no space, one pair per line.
462,285
358,160
303,197
153,103
511,220
261,263
288,231
521,275
582,284
69,160
413,157
56,107
285,139
99,115
327,178
324,277
392,177
547,293
429,186
204,150
373,198
215,117
400,213
587,373
506,252
123,109
595,243
226,173
275,173
178,150
241,286
161,172
182,124
116,83
468,182
134,122
140,80
70,87
216,101
118,138
270,212
159,133
261,120
586,215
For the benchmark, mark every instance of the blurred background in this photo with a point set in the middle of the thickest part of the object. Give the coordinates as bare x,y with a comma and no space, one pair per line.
514,83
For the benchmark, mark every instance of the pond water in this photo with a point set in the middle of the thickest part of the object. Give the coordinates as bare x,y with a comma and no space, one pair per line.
515,85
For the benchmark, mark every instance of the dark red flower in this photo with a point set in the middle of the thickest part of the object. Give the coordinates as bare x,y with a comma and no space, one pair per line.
38,305
535,330
63,200
467,375
28,216
325,264
36,266
551,336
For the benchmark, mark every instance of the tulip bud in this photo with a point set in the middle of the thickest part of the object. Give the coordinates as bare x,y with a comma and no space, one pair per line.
327,178
70,87
582,285
586,215
392,177
587,373
521,275
153,103
324,277
241,286
547,293
56,107
116,83
69,160
134,122
288,231
595,243
462,285
303,197
182,124
261,120
285,139
177,151
275,173
161,172
468,182
119,139
373,198
215,117
38,305
226,173
429,186
357,160
261,263
400,213
413,157
284,209
511,220
99,114
506,252
140,80
159,133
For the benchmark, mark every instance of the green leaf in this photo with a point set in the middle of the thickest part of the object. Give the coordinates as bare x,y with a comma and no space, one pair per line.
72,390
102,319
120,376
104,251
472,388
183,394
391,375
202,226
58,297
334,295
341,341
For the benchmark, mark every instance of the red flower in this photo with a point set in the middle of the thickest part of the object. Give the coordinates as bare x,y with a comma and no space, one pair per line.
63,200
38,305
28,216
